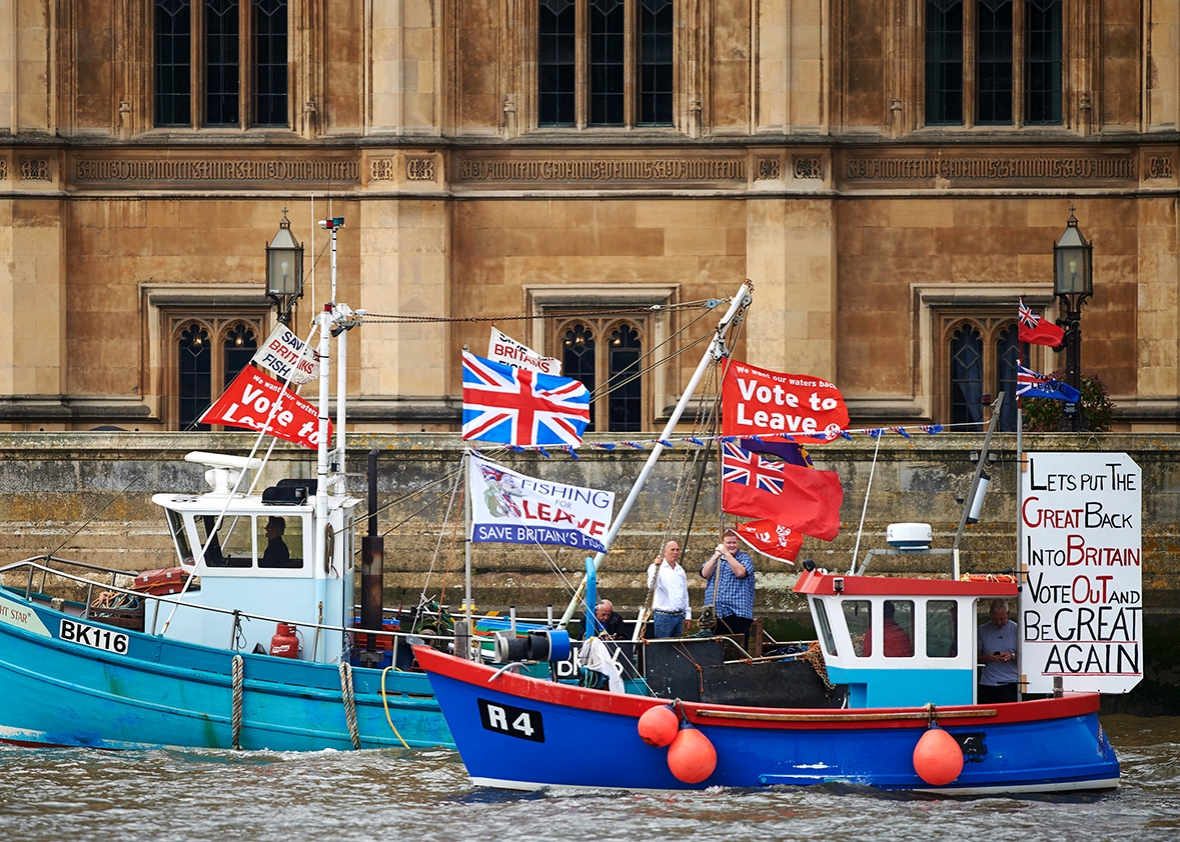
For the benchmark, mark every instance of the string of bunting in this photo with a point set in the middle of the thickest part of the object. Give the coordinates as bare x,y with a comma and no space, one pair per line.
701,441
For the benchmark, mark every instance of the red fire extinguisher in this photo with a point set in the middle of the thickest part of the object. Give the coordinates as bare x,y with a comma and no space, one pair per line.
285,644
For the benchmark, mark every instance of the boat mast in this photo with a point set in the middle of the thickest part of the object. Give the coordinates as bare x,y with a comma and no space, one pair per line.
715,351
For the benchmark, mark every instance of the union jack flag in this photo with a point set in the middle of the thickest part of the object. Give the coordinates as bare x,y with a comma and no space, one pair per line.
742,467
521,407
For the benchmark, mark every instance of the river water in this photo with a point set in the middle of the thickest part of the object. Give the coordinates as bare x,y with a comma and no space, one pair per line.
56,794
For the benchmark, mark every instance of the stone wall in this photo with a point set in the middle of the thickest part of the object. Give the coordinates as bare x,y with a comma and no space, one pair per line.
87,496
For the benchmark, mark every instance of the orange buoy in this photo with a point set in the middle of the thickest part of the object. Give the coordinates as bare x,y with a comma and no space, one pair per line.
691,757
938,759
658,725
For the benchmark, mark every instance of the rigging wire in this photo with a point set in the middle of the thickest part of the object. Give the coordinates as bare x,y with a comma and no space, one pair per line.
703,303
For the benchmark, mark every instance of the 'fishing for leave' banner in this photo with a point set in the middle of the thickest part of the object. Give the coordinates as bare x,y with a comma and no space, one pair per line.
512,508
755,401
247,403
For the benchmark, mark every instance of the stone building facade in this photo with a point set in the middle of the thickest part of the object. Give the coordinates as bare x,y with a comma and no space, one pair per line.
890,174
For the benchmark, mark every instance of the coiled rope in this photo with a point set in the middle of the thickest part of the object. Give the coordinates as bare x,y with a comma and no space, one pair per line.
349,703
236,717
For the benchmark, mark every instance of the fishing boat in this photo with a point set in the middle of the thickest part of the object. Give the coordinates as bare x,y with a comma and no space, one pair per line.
909,719
910,722
244,643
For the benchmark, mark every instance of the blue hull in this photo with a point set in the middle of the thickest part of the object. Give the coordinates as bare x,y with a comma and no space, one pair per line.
161,693
524,733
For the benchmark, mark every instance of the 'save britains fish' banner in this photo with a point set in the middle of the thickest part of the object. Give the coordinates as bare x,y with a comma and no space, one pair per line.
755,401
512,508
285,356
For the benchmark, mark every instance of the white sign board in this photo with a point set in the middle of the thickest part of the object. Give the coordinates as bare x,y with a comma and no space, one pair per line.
502,348
1081,607
285,356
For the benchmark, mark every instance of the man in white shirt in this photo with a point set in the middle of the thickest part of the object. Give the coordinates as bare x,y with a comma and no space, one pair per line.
670,602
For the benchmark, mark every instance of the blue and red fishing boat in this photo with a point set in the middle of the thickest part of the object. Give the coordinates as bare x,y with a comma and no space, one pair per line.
910,721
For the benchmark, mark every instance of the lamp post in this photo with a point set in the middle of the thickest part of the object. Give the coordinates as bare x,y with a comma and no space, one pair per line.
284,270
1073,283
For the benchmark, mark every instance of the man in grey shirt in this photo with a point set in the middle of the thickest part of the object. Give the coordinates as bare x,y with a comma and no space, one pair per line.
997,653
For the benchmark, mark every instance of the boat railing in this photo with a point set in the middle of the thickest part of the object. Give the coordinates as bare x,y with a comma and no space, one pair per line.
97,568
35,566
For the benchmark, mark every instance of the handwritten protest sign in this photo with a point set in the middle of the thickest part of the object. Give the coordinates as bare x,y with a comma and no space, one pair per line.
759,402
1081,608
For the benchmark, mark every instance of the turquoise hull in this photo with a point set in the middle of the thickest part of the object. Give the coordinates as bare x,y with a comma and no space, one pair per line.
162,693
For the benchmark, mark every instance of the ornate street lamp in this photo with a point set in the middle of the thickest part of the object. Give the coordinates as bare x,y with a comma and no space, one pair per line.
1073,283
284,270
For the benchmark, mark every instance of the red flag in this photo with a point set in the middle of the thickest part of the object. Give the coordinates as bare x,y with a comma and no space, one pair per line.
247,402
771,539
757,402
807,499
1038,331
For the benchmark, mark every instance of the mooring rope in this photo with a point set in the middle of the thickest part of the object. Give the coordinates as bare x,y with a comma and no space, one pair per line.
349,703
385,702
236,717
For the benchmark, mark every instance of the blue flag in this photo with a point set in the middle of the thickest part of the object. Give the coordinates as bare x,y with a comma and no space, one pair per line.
1029,384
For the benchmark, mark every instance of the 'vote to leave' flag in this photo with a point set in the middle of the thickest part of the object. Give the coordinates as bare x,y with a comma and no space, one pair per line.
805,499
248,400
1038,331
518,406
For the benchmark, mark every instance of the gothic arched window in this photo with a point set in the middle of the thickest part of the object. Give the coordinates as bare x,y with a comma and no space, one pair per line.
614,361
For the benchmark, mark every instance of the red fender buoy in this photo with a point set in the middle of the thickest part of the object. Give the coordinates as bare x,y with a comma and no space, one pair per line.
659,725
691,757
938,760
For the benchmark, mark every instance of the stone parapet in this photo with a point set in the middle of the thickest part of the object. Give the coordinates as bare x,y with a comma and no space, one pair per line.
87,496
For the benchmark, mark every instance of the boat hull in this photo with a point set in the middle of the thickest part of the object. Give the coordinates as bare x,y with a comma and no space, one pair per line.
523,733
161,693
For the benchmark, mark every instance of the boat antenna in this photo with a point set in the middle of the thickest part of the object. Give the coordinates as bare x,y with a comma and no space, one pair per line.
865,507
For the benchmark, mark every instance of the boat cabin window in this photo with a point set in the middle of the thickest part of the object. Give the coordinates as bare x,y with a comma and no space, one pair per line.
231,545
825,628
942,632
897,630
276,542
179,536
280,541
858,616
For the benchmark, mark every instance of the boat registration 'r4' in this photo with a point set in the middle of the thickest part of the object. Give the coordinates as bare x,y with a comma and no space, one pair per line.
94,637
513,721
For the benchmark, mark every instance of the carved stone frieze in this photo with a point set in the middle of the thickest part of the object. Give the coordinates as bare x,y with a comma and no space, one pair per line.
205,170
3,169
574,170
994,168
